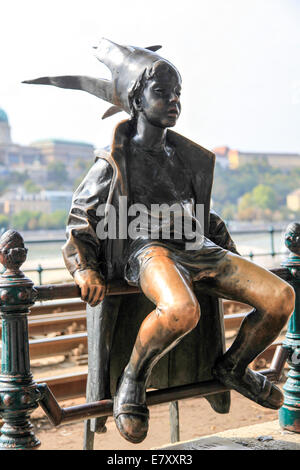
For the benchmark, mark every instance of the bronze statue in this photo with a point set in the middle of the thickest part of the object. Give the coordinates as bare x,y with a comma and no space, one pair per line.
150,165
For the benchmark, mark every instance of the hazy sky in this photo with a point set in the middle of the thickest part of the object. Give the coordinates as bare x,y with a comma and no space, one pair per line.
239,60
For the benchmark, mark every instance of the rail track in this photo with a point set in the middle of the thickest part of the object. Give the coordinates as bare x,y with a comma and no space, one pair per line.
59,329
64,329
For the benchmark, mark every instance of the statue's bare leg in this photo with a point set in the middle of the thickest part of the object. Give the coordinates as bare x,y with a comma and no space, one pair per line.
177,313
273,300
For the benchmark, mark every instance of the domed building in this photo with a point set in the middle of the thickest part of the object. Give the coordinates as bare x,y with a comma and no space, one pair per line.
15,157
5,137
35,157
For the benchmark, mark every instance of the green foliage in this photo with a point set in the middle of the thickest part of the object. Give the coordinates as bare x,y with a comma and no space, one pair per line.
4,222
34,220
57,173
31,187
83,166
56,219
3,185
257,190
264,197
16,177
25,220
229,211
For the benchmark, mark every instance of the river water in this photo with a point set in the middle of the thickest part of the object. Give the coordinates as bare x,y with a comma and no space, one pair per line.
49,255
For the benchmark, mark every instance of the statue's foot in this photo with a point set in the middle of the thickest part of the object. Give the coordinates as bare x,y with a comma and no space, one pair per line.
130,411
252,385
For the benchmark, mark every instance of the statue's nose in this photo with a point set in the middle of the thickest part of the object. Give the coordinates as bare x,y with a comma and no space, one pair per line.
174,98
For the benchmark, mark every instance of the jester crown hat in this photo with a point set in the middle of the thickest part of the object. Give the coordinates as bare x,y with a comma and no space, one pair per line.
127,65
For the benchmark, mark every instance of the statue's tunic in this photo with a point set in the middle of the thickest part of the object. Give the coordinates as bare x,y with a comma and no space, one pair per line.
109,178
113,325
156,180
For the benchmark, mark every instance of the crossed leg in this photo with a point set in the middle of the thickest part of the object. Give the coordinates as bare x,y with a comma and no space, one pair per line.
177,313
272,298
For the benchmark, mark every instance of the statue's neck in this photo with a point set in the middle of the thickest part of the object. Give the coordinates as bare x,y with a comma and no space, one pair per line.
148,136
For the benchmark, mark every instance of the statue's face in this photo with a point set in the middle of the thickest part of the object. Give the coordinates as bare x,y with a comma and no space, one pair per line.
160,100
292,238
2,258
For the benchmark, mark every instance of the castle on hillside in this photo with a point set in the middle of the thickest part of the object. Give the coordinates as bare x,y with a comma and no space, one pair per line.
35,157
230,158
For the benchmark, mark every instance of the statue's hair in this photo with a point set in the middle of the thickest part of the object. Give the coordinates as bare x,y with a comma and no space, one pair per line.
136,91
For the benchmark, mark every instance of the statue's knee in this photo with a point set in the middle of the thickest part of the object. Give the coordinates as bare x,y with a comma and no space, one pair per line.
288,300
282,303
181,317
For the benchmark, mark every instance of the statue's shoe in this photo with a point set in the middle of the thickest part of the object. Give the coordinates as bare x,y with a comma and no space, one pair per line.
252,385
131,416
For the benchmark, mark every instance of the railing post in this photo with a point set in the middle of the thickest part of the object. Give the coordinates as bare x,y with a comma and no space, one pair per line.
19,394
40,271
289,414
174,421
271,231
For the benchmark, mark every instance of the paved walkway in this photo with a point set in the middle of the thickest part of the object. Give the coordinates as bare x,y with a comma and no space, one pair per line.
264,436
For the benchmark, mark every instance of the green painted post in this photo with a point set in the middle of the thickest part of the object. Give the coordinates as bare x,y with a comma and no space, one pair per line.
19,394
40,270
289,413
271,231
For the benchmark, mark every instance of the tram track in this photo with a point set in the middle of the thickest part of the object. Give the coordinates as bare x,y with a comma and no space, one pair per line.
59,329
53,334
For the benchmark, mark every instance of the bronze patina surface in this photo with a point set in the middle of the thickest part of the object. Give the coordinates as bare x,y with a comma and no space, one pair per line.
149,163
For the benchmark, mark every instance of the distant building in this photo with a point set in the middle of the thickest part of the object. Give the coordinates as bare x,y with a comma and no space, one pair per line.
68,152
58,200
35,157
234,158
293,200
47,202
222,156
284,161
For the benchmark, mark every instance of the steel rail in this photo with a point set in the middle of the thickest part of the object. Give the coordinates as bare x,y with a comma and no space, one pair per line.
64,343
69,386
69,323
71,290
58,415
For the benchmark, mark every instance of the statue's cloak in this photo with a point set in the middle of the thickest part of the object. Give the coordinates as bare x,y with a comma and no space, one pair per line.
113,325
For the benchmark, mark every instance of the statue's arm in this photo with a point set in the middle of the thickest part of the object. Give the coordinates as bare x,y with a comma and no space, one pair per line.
83,249
218,233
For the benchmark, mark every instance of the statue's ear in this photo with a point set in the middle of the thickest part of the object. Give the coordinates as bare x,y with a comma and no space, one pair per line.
137,104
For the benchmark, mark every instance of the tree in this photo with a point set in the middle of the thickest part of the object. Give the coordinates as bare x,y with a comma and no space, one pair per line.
264,197
31,187
229,212
4,222
57,173
3,185
26,220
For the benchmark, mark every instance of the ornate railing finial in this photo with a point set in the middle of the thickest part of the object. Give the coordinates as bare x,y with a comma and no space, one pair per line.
19,394
12,252
292,238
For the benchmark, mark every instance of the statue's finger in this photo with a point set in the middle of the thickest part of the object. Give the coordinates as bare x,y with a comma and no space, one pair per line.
97,297
92,291
84,293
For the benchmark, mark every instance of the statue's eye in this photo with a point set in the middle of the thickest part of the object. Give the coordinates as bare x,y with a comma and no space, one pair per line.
159,91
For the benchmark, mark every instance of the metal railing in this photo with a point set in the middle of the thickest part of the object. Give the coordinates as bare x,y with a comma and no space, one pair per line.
20,394
40,269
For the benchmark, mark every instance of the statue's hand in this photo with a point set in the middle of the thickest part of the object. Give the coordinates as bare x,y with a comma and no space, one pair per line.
92,286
